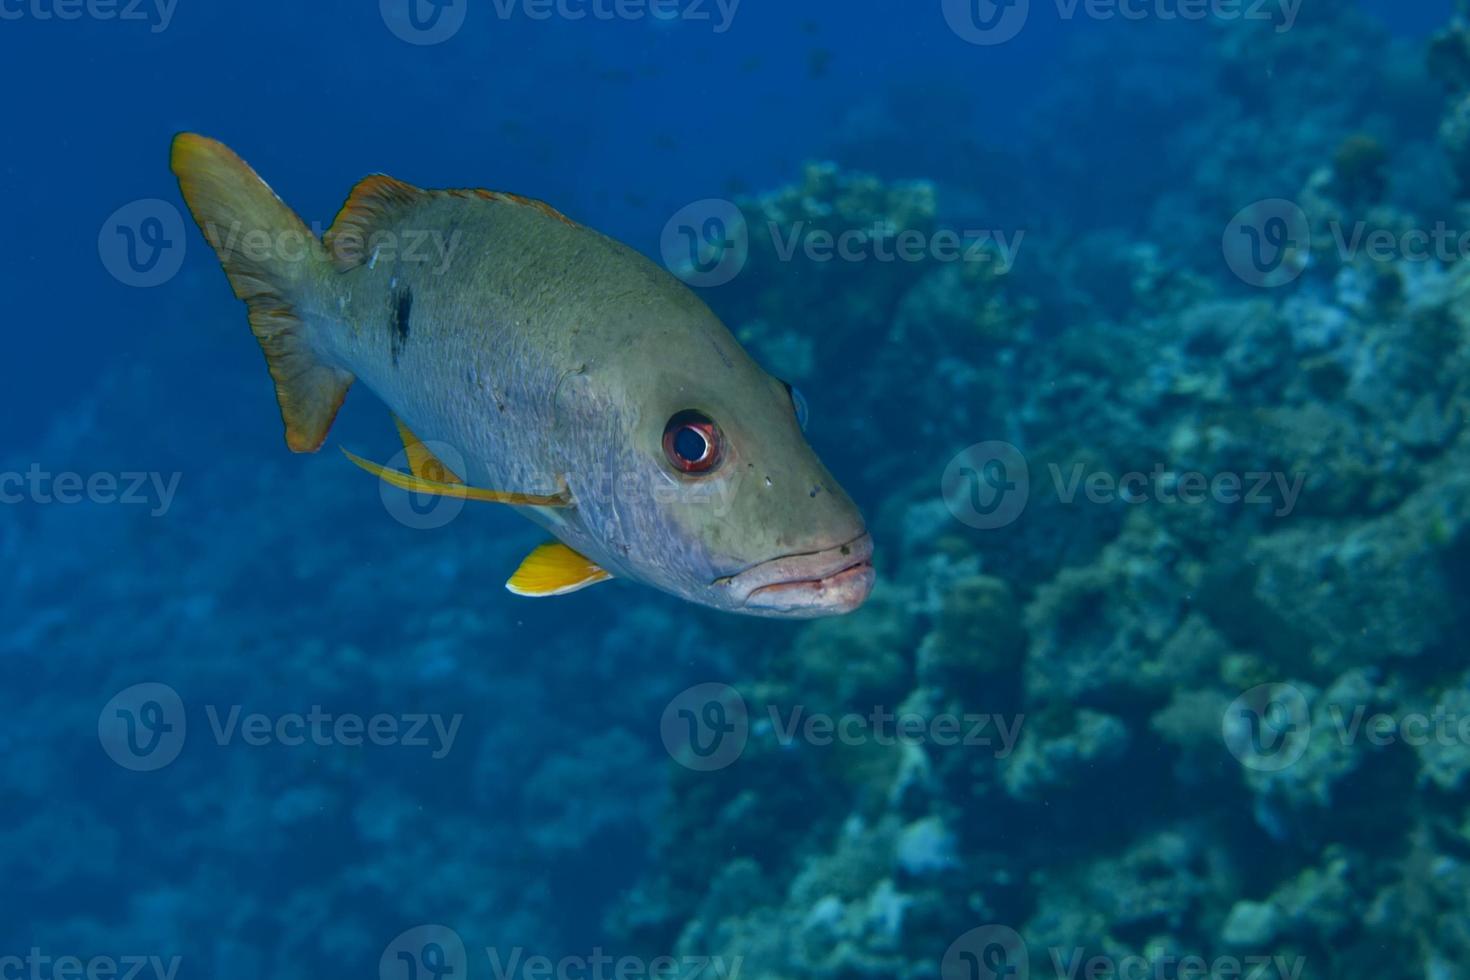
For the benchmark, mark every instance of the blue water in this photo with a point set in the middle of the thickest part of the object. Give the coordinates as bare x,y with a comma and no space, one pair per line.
1164,460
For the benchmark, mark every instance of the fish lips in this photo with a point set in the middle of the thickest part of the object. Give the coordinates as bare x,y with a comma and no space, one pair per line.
829,582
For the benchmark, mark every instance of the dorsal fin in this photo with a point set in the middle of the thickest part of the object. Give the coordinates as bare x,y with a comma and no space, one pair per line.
525,202
377,200
422,463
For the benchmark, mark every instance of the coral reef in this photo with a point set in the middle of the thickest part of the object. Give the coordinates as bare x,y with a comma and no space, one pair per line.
1125,630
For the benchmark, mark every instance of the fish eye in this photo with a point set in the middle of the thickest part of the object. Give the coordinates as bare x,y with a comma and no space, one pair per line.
798,404
692,442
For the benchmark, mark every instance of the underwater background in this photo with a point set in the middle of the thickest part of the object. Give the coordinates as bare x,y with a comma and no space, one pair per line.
1139,330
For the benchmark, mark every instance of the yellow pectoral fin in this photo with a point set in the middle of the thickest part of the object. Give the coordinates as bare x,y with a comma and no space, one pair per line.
438,488
422,463
555,569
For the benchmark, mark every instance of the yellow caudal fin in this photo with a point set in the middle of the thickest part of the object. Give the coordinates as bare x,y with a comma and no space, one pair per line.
444,488
422,463
273,261
555,569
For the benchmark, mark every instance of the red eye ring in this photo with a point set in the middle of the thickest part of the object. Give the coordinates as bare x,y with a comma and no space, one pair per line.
692,442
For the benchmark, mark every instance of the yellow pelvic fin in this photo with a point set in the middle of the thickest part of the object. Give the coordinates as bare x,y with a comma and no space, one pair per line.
555,569
424,464
438,488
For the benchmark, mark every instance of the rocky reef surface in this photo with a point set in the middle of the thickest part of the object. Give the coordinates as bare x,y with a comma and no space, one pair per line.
1165,664
1224,611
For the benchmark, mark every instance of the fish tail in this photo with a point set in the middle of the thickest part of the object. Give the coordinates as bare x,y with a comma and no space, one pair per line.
275,264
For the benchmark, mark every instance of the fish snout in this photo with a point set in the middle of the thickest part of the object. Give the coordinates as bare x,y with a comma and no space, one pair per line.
828,582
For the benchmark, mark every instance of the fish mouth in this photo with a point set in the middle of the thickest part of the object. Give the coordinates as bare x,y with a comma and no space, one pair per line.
818,583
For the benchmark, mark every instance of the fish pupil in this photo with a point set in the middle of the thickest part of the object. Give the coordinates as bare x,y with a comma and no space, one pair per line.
690,444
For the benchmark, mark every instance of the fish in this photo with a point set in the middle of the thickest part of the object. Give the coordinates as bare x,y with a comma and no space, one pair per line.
532,362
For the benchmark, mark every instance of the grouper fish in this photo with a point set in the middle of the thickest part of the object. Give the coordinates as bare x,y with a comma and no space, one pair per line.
533,362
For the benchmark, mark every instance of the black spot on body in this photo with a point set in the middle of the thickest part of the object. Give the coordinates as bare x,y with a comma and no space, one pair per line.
402,312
